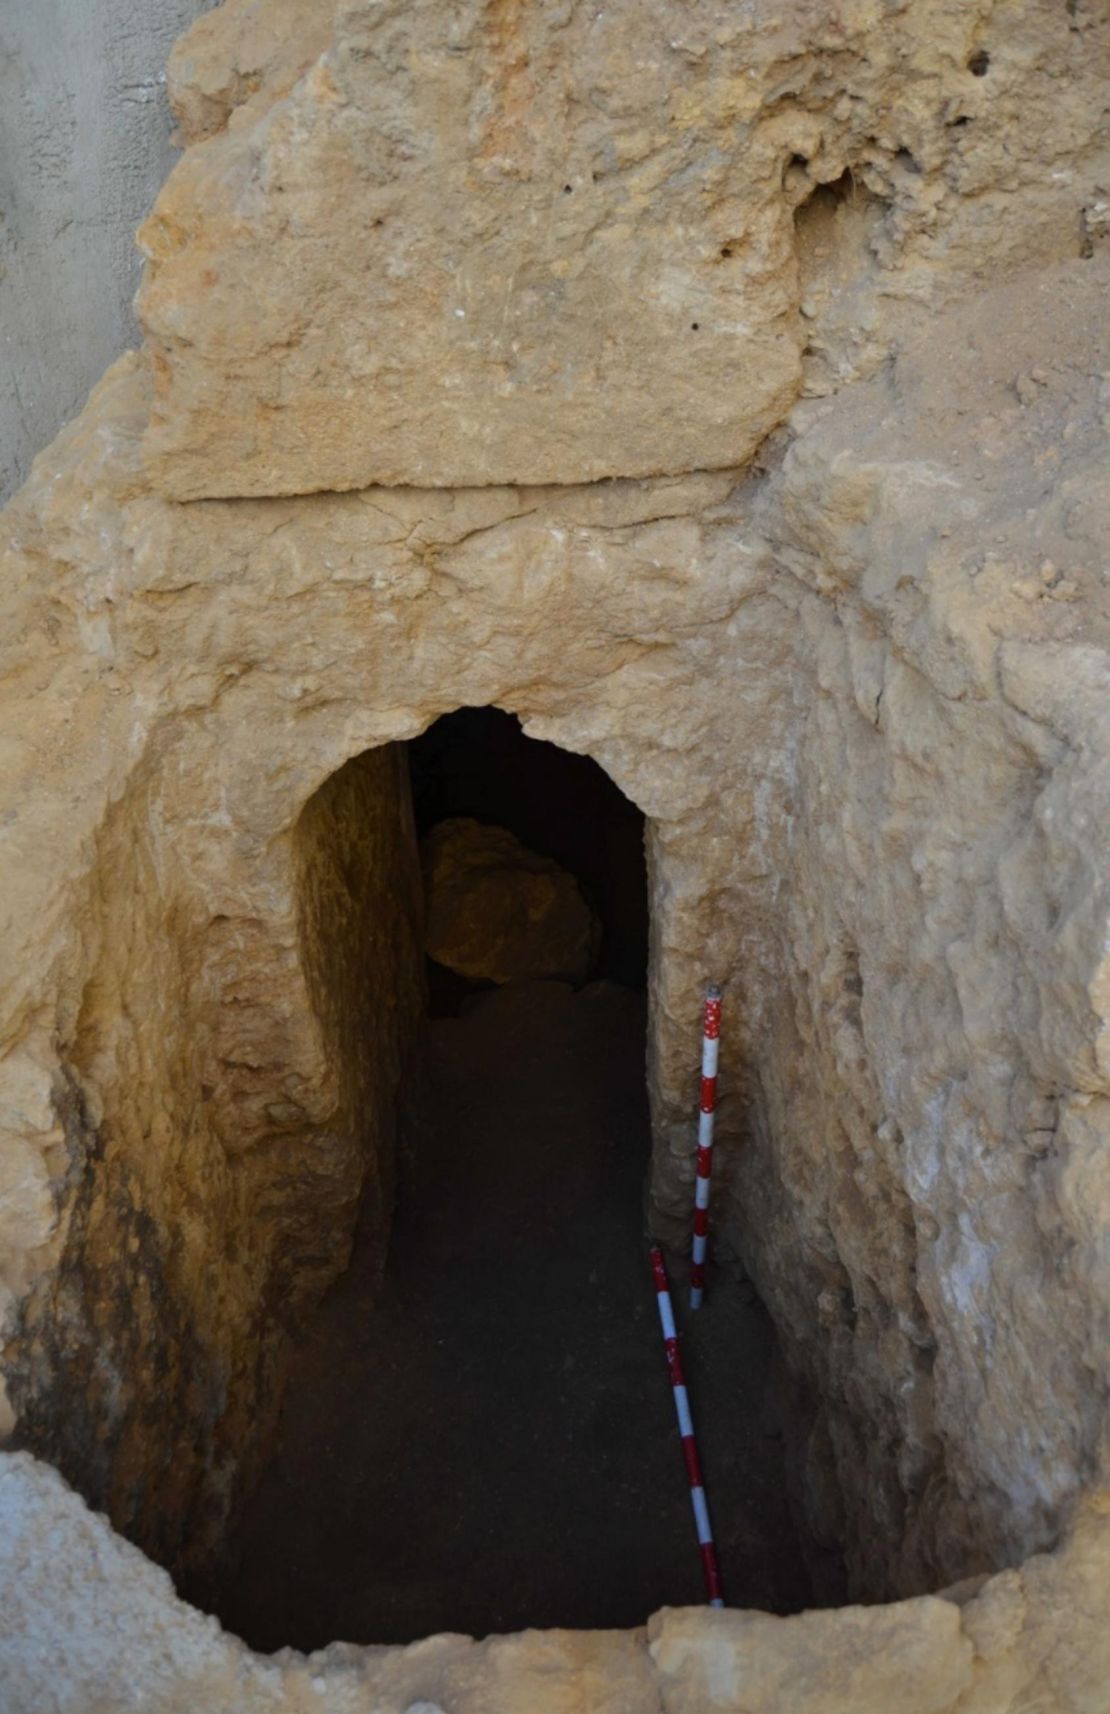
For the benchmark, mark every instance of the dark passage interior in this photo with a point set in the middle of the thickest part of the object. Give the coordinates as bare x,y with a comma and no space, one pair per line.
478,763
483,1439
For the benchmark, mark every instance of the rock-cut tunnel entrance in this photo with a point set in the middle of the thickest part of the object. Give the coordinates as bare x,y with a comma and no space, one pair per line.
477,1433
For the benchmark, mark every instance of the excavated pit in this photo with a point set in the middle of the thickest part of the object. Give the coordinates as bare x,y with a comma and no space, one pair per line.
241,983
478,1432
726,397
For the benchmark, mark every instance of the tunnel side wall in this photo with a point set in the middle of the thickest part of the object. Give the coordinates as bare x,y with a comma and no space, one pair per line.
362,949
229,1090
914,1080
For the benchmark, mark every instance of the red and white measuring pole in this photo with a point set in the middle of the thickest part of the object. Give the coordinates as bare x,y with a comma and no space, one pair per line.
708,1551
711,1035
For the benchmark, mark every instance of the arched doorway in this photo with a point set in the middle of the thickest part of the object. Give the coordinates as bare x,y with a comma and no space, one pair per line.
477,1433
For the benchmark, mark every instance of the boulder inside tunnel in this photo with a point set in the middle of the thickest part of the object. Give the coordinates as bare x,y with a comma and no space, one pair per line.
533,860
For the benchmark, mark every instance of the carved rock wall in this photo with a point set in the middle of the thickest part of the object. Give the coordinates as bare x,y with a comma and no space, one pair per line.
929,1056
866,811
227,1093
214,719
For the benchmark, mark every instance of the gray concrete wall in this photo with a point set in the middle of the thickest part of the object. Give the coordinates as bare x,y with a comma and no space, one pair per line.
84,145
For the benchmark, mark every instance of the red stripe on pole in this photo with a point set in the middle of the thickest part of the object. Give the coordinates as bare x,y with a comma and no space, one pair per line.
708,1094
697,1274
674,1364
705,1156
690,1454
713,1019
659,1272
701,1222
711,1571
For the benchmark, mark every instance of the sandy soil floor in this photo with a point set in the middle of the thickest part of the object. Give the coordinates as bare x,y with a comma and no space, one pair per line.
489,1443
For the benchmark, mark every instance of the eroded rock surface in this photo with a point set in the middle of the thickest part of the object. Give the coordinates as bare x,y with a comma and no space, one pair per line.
509,243
242,56
497,912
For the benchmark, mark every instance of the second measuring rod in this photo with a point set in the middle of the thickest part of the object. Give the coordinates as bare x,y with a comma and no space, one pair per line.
707,1106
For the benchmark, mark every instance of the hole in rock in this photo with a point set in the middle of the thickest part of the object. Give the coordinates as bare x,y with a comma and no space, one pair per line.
979,63
478,1431
825,201
840,238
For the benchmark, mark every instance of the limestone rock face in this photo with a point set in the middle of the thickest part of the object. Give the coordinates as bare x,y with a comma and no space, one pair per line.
456,210
858,687
497,912
508,243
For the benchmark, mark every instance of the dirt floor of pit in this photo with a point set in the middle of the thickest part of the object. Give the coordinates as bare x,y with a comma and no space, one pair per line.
489,1443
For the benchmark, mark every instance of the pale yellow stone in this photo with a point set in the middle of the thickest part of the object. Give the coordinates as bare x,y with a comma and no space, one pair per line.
509,243
854,1660
876,791
243,54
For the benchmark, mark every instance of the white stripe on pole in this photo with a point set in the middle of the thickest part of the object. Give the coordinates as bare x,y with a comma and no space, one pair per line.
706,1548
701,1515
